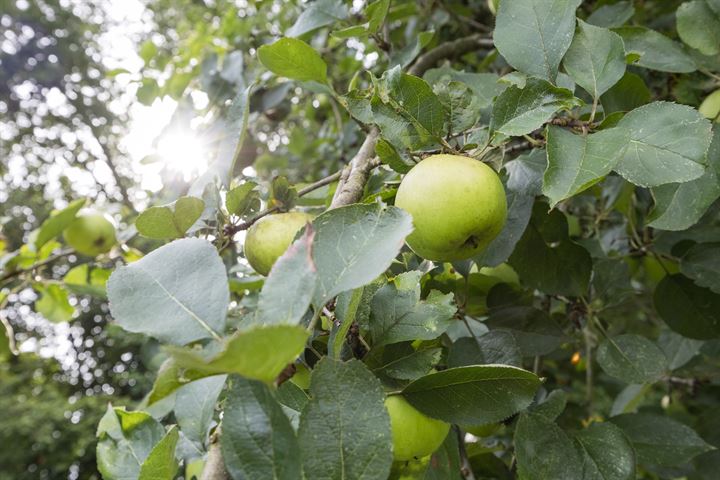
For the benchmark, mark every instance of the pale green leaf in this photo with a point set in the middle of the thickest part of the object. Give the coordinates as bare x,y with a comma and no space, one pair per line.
699,26
293,58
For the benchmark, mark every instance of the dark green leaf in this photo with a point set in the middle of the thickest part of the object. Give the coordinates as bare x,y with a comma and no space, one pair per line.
596,58
660,440
627,94
518,111
608,454
161,463
657,51
494,347
257,439
533,35
473,395
678,349
398,314
543,450
534,331
345,429
702,264
319,13
195,407
690,310
632,359
611,16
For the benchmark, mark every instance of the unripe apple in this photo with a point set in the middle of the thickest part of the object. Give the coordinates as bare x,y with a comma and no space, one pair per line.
269,237
457,204
91,233
710,107
414,434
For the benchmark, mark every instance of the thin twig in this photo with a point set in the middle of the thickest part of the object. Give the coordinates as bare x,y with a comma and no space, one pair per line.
50,259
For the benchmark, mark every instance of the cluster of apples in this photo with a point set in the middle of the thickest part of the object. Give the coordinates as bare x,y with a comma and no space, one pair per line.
458,207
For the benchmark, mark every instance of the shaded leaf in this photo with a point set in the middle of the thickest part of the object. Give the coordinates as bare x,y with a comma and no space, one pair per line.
688,309
657,51
607,453
632,358
319,13
543,450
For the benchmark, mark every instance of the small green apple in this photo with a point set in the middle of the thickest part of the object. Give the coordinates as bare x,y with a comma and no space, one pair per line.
710,107
415,435
91,233
268,238
457,204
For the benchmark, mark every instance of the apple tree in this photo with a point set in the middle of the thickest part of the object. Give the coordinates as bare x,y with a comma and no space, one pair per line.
438,240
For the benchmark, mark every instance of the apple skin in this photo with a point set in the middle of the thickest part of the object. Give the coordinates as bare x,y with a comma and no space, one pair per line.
269,237
458,207
415,435
710,107
91,233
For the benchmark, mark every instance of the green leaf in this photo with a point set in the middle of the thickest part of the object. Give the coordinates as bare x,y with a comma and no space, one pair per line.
523,184
485,86
688,309
257,439
678,206
668,143
53,303
170,221
407,111
177,293
282,195
243,200
148,50
534,331
345,429
170,377
259,353
289,289
473,395
390,157
678,349
57,222
518,111
161,463
293,58
543,450
84,280
533,35
660,440
657,52
610,16
596,58
376,13
398,314
195,407
354,244
125,441
319,13
632,359
576,162
702,264
550,407
494,347
607,452
699,26
627,94
546,259
413,365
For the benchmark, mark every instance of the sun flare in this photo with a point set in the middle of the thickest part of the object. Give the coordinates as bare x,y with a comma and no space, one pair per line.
183,153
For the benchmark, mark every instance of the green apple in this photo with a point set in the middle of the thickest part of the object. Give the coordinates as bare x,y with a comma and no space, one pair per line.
91,233
710,107
415,435
269,237
457,204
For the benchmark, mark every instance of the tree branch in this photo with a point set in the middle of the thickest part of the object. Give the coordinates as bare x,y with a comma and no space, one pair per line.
460,46
214,465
